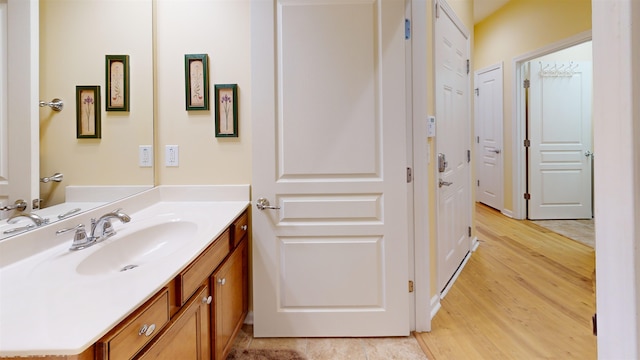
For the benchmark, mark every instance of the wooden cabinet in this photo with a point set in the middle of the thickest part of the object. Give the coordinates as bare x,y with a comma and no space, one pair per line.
188,337
198,314
131,335
230,282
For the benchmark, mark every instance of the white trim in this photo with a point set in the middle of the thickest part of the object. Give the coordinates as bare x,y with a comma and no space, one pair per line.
507,213
422,240
517,108
435,305
459,270
454,17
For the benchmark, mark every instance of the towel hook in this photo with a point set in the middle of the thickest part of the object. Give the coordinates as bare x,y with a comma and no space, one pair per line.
55,104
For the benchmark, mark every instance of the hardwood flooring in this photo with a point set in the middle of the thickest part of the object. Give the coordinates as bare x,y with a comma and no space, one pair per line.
526,293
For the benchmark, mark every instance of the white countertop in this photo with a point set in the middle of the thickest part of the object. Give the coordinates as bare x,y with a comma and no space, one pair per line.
47,307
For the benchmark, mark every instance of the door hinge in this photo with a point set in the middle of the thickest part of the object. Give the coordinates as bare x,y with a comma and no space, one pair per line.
409,175
469,231
410,286
468,66
437,10
407,29
477,90
468,156
478,182
478,139
526,84
527,143
527,196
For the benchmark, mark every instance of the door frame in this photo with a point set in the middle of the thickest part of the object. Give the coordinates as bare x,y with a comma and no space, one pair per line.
421,312
478,156
518,158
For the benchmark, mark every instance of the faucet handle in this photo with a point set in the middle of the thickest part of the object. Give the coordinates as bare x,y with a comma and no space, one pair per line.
80,238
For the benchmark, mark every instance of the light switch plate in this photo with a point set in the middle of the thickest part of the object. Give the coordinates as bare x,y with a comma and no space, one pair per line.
145,156
171,155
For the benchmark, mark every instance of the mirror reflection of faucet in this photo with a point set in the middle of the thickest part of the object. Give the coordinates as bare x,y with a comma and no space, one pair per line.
36,220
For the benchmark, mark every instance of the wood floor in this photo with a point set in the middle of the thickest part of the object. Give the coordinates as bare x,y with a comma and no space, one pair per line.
526,293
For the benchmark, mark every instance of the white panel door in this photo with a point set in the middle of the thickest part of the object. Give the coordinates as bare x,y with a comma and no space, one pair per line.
453,141
329,147
488,131
19,130
560,135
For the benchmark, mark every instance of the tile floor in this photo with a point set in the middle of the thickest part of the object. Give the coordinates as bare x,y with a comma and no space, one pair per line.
395,348
579,230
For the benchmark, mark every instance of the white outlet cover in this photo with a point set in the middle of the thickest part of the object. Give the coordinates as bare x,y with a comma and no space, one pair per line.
172,155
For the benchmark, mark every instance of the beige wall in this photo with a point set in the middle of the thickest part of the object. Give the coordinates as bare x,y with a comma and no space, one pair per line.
75,36
220,29
518,28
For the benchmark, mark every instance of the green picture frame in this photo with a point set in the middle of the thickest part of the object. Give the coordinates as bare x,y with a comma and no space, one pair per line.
117,82
226,97
196,81
88,112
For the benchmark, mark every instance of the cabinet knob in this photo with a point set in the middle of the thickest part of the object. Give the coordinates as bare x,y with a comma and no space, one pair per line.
244,227
146,330
222,281
207,300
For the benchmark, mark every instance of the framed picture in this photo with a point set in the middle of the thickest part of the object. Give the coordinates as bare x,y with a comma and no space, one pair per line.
88,112
196,81
117,80
226,110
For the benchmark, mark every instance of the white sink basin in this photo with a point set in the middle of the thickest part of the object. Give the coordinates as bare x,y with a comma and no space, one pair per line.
126,251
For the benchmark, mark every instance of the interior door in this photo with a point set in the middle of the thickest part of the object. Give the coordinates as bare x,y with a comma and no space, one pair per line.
560,135
453,144
19,81
330,247
488,131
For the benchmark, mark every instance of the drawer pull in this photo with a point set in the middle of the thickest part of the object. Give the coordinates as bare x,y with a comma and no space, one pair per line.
222,281
207,300
147,330
244,227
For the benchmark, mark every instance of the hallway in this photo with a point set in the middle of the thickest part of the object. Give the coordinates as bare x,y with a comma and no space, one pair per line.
526,293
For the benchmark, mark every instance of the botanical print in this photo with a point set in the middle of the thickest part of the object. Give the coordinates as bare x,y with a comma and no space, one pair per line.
196,72
88,116
226,111
116,96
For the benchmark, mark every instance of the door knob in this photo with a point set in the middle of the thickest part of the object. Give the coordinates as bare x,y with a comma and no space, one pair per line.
588,153
442,183
263,204
497,151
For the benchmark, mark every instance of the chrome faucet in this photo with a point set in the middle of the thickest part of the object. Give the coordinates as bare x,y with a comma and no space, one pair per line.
35,218
102,227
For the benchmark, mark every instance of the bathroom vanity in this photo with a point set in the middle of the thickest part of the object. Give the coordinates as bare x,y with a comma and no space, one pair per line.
171,284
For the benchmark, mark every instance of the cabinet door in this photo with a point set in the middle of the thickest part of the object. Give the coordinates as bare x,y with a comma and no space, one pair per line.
188,336
230,284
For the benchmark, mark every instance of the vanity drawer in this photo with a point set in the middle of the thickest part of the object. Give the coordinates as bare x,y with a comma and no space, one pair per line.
192,277
240,228
135,332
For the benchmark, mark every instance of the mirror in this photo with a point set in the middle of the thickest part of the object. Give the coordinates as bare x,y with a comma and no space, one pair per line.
75,37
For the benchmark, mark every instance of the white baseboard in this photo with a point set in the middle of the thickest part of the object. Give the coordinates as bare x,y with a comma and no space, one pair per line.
507,213
458,271
435,305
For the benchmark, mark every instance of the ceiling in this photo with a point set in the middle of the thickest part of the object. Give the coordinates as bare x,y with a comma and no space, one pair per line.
484,8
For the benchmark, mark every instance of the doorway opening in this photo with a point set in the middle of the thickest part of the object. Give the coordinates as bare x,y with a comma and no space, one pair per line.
553,148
